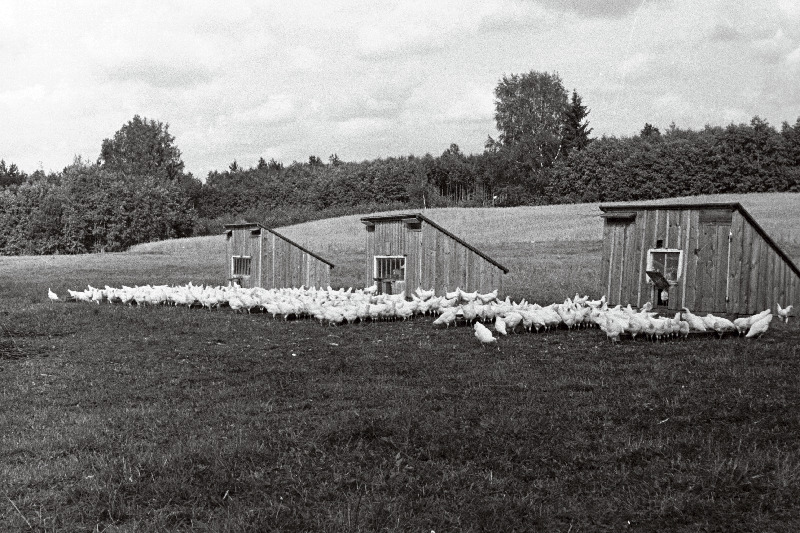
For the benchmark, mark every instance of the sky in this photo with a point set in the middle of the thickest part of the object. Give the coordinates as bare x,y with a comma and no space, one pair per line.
367,79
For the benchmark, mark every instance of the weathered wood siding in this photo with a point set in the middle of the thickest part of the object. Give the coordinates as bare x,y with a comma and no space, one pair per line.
434,260
242,242
285,265
275,261
727,266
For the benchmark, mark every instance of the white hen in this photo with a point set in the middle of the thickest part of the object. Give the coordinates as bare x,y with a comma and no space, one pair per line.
500,325
483,334
53,296
759,327
783,312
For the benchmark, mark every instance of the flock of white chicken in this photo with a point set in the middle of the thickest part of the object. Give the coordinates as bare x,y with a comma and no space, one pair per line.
618,321
334,307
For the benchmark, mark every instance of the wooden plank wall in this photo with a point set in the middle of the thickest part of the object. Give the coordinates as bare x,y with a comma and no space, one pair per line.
286,266
242,242
760,277
619,261
756,279
386,238
433,259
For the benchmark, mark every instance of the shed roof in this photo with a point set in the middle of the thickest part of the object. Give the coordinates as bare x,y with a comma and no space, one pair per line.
245,225
735,206
422,218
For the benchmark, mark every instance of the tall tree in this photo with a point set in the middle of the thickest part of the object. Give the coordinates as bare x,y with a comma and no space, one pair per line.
576,127
142,148
529,112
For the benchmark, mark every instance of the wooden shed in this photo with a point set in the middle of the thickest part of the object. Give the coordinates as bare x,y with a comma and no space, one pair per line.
711,258
410,251
262,257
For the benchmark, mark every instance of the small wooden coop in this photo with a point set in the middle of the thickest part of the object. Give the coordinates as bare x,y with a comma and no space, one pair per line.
711,258
409,251
262,257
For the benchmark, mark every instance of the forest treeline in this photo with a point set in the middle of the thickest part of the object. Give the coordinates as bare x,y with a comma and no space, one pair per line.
137,190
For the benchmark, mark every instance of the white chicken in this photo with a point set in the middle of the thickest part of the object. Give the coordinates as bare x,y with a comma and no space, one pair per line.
743,323
722,325
446,318
500,326
783,312
488,297
695,322
483,334
611,327
759,327
53,296
512,320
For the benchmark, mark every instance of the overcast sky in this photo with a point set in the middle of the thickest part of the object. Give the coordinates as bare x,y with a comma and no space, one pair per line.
368,79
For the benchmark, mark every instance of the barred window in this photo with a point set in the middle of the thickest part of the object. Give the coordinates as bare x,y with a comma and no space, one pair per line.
241,265
390,268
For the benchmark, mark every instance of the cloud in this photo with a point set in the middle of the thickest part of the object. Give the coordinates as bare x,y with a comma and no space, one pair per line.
725,33
612,9
775,48
635,65
360,126
160,74
475,105
276,109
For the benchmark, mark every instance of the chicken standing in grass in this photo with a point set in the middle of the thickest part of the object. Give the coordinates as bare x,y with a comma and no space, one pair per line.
695,322
500,325
53,296
759,327
784,312
483,334
743,323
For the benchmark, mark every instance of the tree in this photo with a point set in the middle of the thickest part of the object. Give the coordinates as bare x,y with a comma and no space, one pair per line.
650,131
142,148
314,161
529,112
576,127
10,175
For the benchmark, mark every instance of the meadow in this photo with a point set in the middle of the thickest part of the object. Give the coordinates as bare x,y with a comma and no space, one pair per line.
120,418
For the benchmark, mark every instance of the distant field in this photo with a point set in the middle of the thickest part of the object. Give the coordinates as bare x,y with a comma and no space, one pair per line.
151,418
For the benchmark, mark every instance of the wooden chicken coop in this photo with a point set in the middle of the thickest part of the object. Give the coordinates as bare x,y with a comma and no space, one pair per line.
711,258
409,251
262,257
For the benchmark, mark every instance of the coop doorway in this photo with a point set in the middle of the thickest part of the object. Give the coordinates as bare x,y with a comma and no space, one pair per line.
664,267
389,273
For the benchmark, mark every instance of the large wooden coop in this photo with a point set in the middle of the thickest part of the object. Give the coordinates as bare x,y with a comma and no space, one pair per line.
262,257
711,258
409,251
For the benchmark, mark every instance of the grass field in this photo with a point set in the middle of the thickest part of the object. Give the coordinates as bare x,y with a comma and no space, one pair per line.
121,418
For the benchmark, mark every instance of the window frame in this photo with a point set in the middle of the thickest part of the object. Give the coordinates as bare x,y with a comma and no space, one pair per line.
375,267
249,264
650,263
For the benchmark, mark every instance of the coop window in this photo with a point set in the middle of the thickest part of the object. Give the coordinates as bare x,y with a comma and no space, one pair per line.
413,224
390,267
667,261
241,265
716,216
